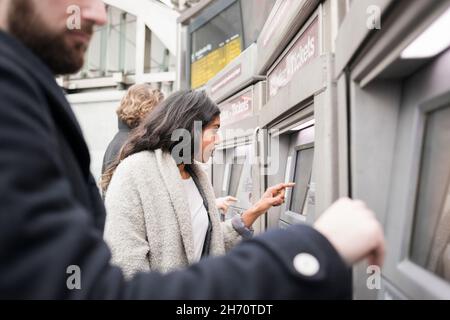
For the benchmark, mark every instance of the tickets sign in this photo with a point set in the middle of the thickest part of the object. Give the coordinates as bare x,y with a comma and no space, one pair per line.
236,109
226,79
276,19
304,49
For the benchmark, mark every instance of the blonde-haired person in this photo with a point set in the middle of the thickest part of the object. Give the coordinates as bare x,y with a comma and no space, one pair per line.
137,103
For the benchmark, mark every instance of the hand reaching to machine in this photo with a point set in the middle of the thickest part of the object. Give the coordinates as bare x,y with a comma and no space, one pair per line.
353,230
273,197
224,203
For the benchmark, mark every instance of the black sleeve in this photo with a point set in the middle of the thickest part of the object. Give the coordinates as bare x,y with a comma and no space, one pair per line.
44,230
261,268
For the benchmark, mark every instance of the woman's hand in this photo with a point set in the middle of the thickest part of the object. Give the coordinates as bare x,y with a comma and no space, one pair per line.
224,203
273,197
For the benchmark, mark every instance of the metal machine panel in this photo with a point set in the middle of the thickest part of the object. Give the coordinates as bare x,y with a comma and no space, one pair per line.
399,125
286,18
299,169
290,155
353,30
302,50
300,94
418,261
238,74
299,72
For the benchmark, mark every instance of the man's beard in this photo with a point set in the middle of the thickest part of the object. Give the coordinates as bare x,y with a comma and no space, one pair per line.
49,46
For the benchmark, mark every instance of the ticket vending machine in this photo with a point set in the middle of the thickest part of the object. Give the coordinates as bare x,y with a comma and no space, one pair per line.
298,119
299,164
240,94
234,167
393,101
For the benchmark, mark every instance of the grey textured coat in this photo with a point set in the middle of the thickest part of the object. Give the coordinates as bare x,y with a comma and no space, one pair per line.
148,223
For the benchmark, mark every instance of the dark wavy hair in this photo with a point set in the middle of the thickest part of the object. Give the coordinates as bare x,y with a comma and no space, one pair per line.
179,111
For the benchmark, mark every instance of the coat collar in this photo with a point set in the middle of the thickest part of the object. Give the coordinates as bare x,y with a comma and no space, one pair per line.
205,184
174,184
60,109
123,126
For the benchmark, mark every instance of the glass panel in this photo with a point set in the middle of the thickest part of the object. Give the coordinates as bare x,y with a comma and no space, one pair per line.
93,56
130,45
302,177
114,40
218,171
112,48
159,55
430,240
236,173
255,13
215,44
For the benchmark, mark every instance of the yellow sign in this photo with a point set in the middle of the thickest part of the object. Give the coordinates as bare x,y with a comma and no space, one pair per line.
207,67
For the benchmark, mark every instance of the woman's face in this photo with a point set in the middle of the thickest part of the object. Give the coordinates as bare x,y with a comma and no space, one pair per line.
210,138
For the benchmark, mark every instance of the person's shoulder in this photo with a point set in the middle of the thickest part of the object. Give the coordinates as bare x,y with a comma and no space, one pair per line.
16,76
139,158
135,164
114,146
120,137
21,93
133,173
14,61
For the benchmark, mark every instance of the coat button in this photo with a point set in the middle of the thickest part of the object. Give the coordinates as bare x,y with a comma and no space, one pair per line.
306,264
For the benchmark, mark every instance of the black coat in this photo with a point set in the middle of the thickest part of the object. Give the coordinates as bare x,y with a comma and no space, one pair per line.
113,150
52,216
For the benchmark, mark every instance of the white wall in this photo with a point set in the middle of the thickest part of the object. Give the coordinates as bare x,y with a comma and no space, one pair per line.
96,113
